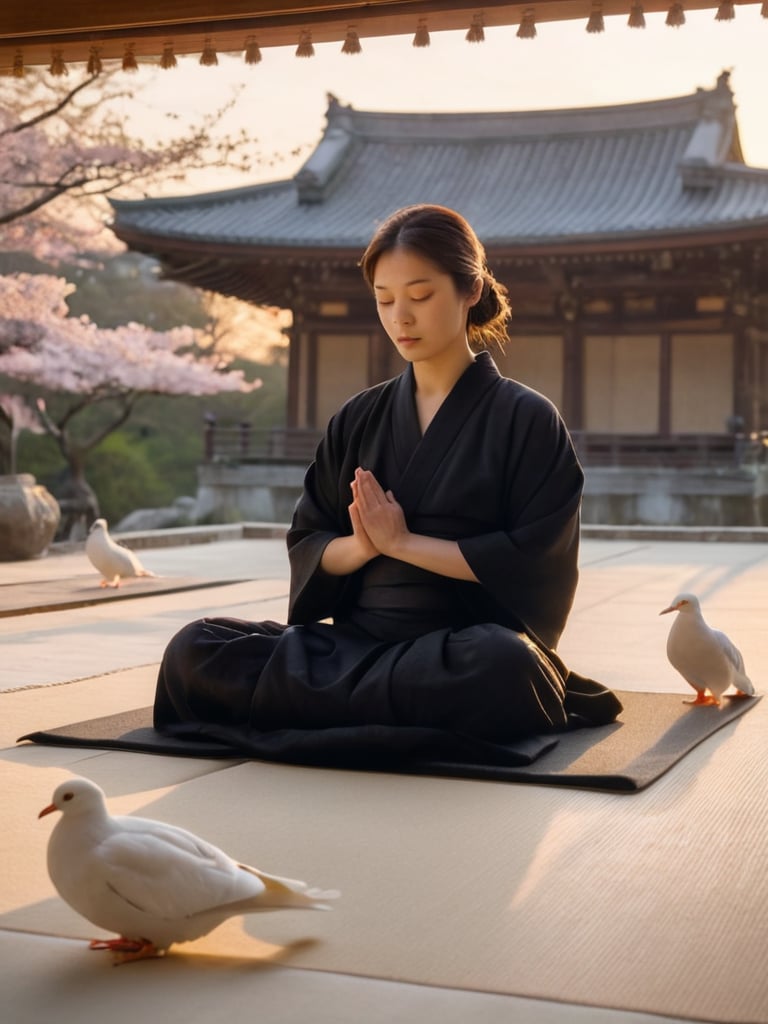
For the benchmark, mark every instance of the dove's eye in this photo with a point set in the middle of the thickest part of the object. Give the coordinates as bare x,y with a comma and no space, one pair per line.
67,796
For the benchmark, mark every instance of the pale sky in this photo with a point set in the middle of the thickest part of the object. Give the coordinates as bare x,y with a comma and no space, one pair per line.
284,98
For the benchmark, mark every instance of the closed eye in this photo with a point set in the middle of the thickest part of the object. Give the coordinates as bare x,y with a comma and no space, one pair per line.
412,298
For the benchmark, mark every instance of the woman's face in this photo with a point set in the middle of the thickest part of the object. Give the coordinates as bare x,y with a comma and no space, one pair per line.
419,306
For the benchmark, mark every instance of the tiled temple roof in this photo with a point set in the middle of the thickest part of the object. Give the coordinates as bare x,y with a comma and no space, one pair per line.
552,177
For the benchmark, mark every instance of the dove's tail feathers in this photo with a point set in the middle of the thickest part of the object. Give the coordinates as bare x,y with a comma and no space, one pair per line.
744,684
146,572
323,894
289,892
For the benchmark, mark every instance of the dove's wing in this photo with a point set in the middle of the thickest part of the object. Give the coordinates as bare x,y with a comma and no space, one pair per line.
735,657
111,559
730,650
169,873
126,559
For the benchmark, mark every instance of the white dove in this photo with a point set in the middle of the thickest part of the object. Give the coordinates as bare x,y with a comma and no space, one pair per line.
113,561
152,883
704,657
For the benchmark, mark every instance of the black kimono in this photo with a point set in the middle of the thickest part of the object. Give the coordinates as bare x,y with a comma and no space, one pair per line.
413,664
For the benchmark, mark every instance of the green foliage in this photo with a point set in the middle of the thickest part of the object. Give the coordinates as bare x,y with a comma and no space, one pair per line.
128,287
39,455
124,479
153,458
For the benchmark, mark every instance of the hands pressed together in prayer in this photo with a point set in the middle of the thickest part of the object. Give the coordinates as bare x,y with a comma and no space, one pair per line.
378,522
379,527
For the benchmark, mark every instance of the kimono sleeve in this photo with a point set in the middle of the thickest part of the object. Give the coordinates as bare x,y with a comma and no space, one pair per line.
529,566
318,518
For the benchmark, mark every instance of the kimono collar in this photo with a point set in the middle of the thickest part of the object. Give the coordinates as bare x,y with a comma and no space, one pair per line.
421,455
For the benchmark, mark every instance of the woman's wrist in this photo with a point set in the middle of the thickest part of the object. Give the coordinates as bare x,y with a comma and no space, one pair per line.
443,557
344,555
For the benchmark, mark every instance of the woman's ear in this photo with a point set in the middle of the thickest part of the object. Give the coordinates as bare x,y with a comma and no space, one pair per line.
477,291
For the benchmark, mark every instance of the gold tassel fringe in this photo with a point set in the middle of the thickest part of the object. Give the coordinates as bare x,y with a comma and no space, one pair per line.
527,29
18,65
422,35
252,51
596,21
725,11
129,59
168,58
58,67
636,16
305,47
676,15
351,42
208,57
94,61
476,31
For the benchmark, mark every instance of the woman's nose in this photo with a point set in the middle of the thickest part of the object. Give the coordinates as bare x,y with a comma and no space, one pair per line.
402,314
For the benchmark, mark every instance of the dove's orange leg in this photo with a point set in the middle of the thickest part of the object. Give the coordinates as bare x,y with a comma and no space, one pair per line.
114,582
702,698
126,950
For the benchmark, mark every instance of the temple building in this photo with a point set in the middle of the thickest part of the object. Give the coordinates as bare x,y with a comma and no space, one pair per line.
633,240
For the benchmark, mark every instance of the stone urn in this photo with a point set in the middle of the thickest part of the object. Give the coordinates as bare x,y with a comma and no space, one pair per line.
29,517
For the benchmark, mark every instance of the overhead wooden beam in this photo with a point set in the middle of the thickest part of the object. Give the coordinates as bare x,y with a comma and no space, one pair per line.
31,33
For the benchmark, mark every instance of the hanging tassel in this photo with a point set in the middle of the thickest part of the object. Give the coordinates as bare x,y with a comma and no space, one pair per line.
129,59
636,16
94,61
18,65
208,57
675,16
351,42
476,31
725,11
596,21
168,57
527,28
252,51
422,35
305,47
58,67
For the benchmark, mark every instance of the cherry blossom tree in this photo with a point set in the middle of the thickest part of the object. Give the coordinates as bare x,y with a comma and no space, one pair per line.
82,366
63,149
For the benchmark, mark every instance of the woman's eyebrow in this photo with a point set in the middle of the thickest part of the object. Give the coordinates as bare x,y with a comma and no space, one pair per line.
416,280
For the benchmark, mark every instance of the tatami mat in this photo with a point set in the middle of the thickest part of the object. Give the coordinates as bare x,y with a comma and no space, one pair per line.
476,885
461,900
58,973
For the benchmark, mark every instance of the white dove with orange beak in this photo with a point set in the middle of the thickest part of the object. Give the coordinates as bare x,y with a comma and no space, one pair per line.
704,657
152,883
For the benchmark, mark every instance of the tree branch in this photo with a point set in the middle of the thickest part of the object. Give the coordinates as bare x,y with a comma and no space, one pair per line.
49,112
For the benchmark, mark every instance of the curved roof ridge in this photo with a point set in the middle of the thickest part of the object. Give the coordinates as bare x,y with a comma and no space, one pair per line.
687,109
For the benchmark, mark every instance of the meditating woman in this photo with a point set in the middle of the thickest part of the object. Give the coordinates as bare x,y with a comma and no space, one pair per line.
438,531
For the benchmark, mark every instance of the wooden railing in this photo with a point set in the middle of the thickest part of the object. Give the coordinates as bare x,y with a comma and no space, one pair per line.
240,443
675,451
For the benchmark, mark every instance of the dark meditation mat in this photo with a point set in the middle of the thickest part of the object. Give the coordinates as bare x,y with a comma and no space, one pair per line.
653,732
81,591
